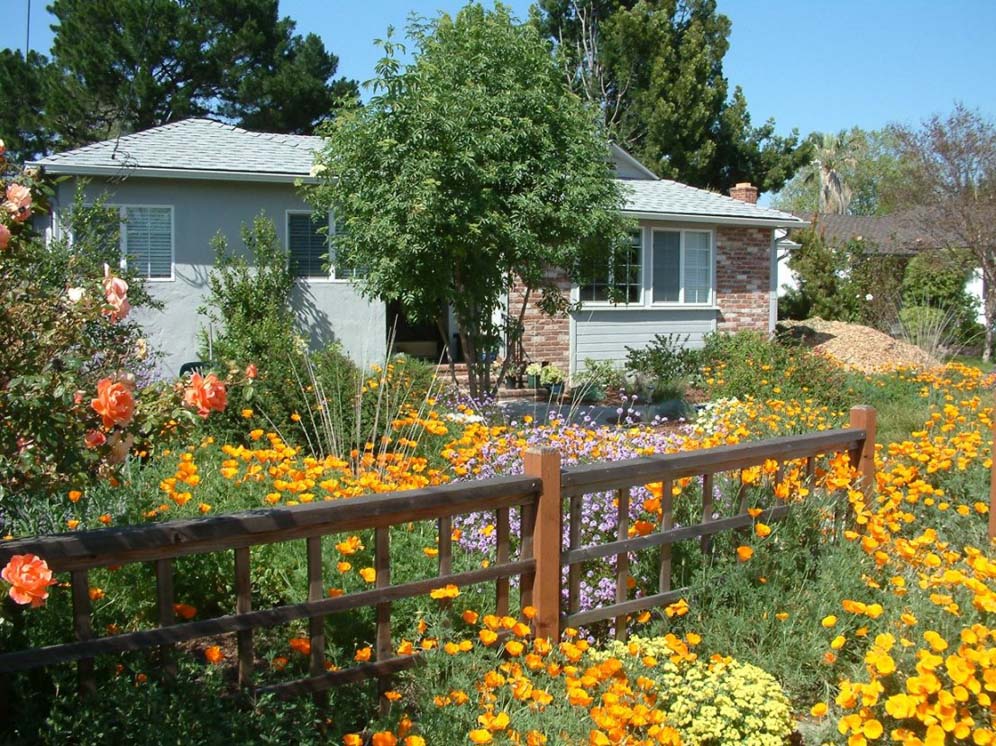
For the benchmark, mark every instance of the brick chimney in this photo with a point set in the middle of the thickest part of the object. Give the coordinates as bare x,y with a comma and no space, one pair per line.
745,192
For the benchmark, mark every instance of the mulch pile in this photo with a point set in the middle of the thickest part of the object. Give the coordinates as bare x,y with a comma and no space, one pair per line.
857,346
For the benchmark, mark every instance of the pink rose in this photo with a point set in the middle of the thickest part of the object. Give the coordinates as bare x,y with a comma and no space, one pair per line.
94,439
116,293
18,201
4,236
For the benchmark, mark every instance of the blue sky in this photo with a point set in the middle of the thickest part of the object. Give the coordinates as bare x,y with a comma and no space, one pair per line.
809,64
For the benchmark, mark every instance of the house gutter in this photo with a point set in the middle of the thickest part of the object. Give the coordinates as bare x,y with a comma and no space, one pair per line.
122,172
788,222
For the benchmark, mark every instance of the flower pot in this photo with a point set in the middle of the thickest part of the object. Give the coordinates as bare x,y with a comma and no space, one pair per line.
556,389
511,383
533,381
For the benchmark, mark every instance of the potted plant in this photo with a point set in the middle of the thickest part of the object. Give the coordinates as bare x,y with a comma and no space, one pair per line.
553,378
533,371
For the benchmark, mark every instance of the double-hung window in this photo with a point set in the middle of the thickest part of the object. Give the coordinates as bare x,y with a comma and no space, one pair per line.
622,279
682,266
309,237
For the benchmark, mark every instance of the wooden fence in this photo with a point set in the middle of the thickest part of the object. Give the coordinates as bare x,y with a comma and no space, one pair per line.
541,495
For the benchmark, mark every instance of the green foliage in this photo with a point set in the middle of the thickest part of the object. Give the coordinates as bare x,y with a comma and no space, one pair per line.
197,708
469,166
748,364
24,85
125,66
598,378
655,71
938,280
55,345
843,283
867,162
666,358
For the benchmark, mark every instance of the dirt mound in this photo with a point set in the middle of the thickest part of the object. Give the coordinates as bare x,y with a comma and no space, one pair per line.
857,346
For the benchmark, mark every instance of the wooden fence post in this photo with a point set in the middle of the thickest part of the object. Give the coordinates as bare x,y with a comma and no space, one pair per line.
992,481
544,464
863,417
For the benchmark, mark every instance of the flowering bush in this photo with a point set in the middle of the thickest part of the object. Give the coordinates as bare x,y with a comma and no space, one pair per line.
29,578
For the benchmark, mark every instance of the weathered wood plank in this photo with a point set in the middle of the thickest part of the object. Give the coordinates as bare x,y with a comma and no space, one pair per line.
527,527
573,542
316,592
384,646
666,538
707,510
544,463
351,675
243,605
622,559
165,613
117,546
617,474
503,539
633,606
35,658
667,523
445,545
83,628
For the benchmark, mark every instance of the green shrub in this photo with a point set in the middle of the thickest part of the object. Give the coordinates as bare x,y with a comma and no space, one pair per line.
938,279
749,364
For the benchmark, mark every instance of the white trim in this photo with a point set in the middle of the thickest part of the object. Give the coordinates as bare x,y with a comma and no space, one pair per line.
125,171
316,279
716,219
122,207
616,150
641,303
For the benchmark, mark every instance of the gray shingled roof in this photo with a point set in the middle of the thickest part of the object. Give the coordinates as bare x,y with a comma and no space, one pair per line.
197,145
674,198
208,149
903,233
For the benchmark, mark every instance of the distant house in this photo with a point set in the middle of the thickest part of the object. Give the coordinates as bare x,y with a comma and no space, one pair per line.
900,234
700,262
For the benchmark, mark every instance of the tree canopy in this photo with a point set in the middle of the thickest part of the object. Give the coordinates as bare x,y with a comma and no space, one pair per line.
471,166
655,70
120,66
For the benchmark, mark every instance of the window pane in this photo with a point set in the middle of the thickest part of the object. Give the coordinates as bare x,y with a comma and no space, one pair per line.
667,262
307,246
698,267
149,241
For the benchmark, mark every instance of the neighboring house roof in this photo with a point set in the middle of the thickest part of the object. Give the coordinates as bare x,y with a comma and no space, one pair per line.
205,149
901,233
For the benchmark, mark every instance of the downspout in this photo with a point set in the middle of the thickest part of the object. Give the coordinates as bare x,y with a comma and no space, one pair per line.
773,280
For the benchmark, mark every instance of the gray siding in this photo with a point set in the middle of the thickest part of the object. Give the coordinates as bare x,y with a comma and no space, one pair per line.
605,334
328,310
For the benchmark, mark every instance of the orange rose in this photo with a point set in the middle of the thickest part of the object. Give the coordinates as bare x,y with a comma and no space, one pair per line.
213,654
29,579
18,202
114,403
251,370
116,293
4,236
94,439
205,393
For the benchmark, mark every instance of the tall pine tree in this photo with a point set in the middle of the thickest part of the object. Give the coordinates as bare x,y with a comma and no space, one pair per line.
132,64
655,68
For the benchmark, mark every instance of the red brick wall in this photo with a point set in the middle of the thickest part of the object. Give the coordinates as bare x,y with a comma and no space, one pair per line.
743,277
545,337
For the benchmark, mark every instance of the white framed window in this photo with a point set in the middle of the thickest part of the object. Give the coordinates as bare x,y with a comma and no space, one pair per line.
622,278
308,248
147,241
145,237
681,267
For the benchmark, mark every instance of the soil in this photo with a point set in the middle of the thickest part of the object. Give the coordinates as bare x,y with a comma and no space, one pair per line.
856,346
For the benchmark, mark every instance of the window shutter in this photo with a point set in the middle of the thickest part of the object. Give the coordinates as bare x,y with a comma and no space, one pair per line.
307,246
148,241
667,266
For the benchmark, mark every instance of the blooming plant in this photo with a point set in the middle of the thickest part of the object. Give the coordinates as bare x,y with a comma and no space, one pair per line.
29,578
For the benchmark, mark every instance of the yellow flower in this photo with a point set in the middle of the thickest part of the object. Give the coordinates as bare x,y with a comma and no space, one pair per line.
829,621
368,574
818,710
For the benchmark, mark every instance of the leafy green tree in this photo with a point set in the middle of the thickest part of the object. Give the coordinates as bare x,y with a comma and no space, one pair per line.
131,64
854,172
24,85
655,70
471,166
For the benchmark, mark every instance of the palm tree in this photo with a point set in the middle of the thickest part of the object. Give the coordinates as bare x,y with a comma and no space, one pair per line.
835,154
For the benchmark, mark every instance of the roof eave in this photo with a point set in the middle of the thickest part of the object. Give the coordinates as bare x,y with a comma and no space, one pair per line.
57,169
787,222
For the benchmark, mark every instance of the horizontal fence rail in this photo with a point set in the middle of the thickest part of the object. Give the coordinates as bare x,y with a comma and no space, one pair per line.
546,496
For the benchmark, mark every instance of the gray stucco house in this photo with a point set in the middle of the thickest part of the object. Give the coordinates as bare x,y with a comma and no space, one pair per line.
701,261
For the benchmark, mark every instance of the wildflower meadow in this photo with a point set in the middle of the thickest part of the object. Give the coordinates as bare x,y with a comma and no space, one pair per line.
861,617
